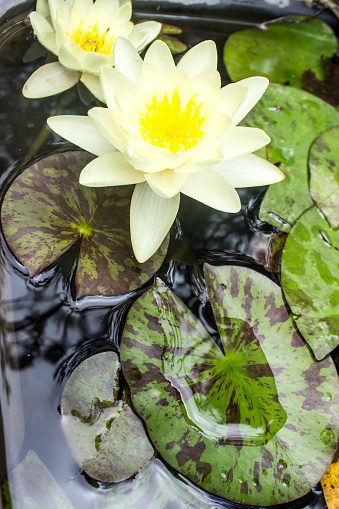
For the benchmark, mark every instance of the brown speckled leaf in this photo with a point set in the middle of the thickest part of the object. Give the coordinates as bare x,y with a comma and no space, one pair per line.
46,210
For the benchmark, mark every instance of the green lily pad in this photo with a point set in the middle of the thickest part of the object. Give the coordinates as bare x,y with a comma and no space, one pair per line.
324,170
31,486
206,412
310,280
154,487
104,435
46,210
281,51
293,119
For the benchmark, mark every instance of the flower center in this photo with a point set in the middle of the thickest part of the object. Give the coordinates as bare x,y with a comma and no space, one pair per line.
170,124
85,229
91,37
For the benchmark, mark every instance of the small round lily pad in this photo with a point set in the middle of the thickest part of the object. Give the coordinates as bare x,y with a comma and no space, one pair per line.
46,210
106,438
310,280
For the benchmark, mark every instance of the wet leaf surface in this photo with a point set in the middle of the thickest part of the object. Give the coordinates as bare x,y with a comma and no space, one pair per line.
200,406
154,487
324,174
32,486
281,51
46,210
105,437
310,280
293,119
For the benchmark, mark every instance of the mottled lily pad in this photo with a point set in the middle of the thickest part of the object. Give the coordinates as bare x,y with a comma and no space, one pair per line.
105,437
46,210
267,250
324,173
310,280
281,51
197,402
154,487
31,486
293,119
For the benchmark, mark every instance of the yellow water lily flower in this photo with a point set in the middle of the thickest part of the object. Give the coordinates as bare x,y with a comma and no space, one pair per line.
170,129
82,34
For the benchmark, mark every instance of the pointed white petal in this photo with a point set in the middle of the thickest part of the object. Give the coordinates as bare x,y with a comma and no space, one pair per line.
238,141
256,88
151,218
127,59
80,131
110,169
50,79
147,165
144,33
42,8
207,84
69,58
160,56
92,62
93,84
107,123
84,5
231,97
212,189
200,58
113,82
49,42
166,183
122,14
40,25
249,170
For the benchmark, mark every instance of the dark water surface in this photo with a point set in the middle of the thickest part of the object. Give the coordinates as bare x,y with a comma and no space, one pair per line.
45,334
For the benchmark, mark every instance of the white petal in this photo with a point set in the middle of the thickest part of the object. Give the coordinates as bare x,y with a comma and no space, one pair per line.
80,131
110,169
127,59
107,123
147,165
249,170
84,5
93,84
151,218
40,25
114,81
200,58
69,58
256,88
144,33
207,84
160,56
151,78
54,5
166,183
231,97
92,62
49,42
217,126
50,79
122,14
42,8
238,141
212,189
206,156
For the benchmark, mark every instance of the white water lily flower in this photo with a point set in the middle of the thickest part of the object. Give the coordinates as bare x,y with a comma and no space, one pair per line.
82,34
170,129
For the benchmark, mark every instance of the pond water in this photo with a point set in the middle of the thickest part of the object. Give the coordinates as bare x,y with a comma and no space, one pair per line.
45,333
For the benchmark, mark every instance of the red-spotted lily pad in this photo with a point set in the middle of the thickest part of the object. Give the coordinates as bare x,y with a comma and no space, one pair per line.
46,210
324,171
256,424
293,119
31,486
310,280
105,437
154,487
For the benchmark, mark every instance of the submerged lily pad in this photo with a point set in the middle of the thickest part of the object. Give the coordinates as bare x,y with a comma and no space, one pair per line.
310,280
46,210
293,119
219,418
31,486
324,170
154,487
281,51
105,437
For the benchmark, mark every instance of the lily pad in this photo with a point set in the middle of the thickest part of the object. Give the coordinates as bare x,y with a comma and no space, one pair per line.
206,411
310,280
293,119
31,486
281,51
105,437
154,487
46,210
324,170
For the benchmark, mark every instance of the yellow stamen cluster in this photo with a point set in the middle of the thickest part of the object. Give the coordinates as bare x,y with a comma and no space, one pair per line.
91,37
169,124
